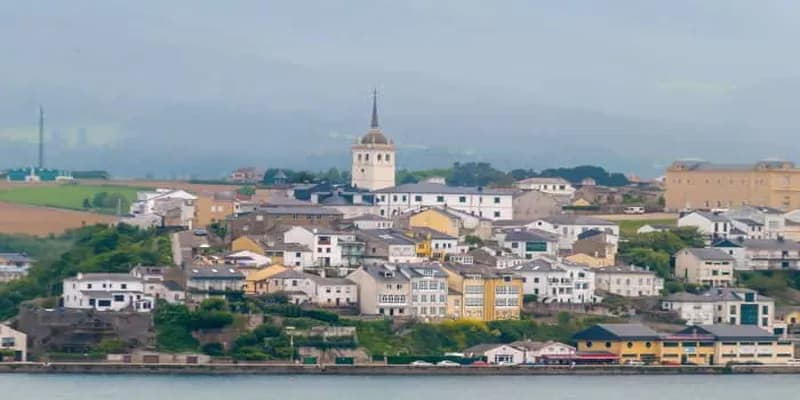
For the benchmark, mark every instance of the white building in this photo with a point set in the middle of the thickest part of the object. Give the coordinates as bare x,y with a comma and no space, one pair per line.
384,245
628,281
712,225
558,186
557,282
768,222
373,165
106,292
203,281
14,341
528,244
549,352
323,242
764,254
494,204
382,290
370,221
177,205
14,266
314,289
732,306
498,354
569,227
247,258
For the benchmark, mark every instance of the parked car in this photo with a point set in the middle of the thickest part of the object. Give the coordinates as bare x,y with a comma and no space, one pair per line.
506,363
636,363
634,210
479,364
420,363
794,362
447,363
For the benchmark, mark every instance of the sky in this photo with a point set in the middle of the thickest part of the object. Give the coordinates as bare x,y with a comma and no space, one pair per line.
196,88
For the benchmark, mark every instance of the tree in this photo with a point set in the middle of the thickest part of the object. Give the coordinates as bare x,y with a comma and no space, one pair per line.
86,203
473,241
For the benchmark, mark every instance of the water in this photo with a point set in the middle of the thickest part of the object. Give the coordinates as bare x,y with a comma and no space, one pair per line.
132,387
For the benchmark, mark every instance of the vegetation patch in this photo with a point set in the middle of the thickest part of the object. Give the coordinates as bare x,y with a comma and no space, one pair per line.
99,198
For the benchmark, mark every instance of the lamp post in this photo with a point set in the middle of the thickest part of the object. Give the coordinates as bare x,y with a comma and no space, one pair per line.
290,332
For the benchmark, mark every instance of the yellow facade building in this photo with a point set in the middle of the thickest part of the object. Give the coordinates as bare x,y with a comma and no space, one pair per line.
250,243
628,342
487,294
437,220
702,185
256,282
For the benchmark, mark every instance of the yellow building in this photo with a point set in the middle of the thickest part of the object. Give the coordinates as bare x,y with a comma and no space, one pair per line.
256,282
214,207
487,294
250,243
437,220
593,262
696,345
703,185
628,342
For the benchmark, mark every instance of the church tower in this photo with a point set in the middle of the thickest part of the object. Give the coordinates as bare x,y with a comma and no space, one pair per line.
373,156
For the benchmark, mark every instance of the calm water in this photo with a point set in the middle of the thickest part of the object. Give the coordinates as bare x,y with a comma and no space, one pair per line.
90,387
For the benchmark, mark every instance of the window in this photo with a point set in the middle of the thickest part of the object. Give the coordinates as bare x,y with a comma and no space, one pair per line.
88,285
388,157
123,285
418,198
497,214
440,199
104,303
366,157
379,157
496,200
462,199
119,298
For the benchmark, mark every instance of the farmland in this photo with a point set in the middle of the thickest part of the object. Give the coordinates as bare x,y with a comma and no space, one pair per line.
43,221
68,196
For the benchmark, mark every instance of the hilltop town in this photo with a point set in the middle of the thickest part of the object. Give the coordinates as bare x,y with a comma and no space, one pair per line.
697,268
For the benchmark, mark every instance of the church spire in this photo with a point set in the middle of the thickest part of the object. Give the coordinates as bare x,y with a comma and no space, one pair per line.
374,123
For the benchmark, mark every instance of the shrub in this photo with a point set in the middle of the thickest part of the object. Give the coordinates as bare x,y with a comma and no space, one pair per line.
214,349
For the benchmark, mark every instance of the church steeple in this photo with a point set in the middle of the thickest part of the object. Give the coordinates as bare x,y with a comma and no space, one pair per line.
374,123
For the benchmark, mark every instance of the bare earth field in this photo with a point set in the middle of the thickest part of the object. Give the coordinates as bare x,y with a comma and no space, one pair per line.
42,221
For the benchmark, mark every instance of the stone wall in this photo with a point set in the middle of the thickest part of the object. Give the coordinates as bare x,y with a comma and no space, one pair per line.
63,330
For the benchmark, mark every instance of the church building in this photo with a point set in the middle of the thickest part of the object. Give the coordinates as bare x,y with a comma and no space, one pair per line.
373,165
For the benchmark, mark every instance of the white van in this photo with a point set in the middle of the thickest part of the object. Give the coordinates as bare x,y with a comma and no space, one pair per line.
634,210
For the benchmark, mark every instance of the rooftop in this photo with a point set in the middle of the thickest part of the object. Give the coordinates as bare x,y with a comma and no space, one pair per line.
710,254
731,332
116,277
437,188
213,272
529,235
309,210
573,219
388,236
618,331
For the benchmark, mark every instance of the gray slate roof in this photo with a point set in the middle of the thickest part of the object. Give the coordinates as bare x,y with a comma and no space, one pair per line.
213,272
710,254
310,210
518,235
436,188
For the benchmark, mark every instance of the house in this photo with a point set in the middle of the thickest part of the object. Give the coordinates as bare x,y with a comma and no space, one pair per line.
552,281
487,294
600,247
323,242
106,292
559,186
528,243
247,175
733,306
369,221
448,220
13,341
762,254
211,207
435,245
497,353
177,205
247,258
14,266
568,227
628,281
498,257
705,266
548,352
291,254
626,341
168,290
535,204
265,219
740,344
385,245
692,308
303,288
203,281
712,225
494,204
382,290
257,283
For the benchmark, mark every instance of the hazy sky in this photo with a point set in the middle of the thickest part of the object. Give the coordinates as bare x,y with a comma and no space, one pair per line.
177,88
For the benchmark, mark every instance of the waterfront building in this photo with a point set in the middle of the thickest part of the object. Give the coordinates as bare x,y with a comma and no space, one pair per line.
629,342
14,341
106,292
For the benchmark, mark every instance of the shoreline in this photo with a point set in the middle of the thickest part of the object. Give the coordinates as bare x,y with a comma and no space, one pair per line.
385,370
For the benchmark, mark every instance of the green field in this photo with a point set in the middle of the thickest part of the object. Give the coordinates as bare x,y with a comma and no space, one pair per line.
629,228
68,196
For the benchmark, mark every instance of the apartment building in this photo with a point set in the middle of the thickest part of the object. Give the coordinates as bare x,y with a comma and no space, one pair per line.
493,204
106,292
733,306
382,290
704,185
705,266
629,281
763,254
485,293
552,281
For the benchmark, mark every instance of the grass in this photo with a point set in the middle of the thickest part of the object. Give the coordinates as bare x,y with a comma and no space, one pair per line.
629,227
67,196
